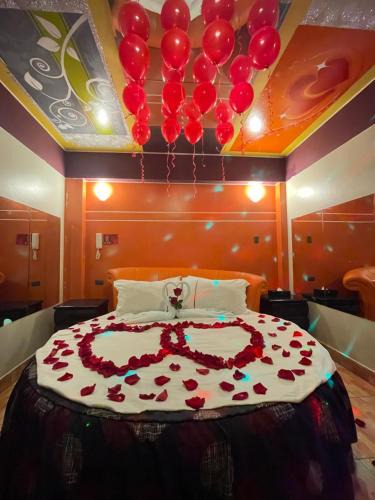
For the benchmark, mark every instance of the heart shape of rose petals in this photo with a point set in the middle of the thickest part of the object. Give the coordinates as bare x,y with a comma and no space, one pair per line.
118,398
295,343
190,384
196,402
148,396
240,396
286,374
237,375
66,376
161,381
59,365
267,360
305,361
259,388
226,386
89,389
202,371
132,379
162,396
175,367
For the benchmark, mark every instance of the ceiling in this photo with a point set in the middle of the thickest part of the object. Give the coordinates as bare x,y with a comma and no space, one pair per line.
59,59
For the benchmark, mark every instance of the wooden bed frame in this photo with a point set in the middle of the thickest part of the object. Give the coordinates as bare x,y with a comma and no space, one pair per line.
258,284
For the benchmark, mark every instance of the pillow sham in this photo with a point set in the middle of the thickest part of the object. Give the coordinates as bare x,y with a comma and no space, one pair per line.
224,295
140,296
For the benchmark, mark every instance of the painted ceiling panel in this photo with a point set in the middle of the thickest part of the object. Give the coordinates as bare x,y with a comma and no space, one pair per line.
56,60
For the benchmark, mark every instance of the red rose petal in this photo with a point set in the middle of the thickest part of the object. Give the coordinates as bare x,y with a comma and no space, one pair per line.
162,396
261,321
195,402
240,396
161,381
237,375
66,376
89,389
111,317
202,371
261,315
360,422
132,379
118,398
286,374
285,353
148,396
267,360
287,323
298,372
297,334
295,343
59,365
175,367
115,389
67,352
276,347
76,330
226,386
272,334
190,384
259,388
311,342
50,361
306,353
281,328
275,320
78,336
305,361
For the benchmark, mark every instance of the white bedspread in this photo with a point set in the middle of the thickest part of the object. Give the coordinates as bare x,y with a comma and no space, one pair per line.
226,342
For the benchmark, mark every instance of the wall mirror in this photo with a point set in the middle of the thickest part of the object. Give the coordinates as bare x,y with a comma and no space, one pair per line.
334,248
29,260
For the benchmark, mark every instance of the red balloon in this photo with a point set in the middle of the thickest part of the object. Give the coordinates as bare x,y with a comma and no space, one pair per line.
204,96
241,96
193,131
175,48
166,113
192,111
175,14
134,97
263,13
133,19
218,41
173,95
264,47
170,129
240,69
172,75
134,56
223,112
144,113
203,69
141,132
224,132
217,9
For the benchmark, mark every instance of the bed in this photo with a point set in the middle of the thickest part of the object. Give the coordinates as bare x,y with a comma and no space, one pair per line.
242,418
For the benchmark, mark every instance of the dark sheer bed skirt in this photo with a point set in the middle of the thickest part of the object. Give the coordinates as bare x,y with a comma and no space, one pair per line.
54,449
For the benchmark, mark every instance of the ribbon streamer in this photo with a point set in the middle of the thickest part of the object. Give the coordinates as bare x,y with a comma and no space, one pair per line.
142,168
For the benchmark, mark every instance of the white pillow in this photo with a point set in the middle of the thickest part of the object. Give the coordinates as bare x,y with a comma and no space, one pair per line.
223,295
140,296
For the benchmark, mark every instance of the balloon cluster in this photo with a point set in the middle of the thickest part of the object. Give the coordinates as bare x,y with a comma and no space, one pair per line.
135,59
175,51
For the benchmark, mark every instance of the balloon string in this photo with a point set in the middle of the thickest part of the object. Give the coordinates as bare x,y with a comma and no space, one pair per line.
242,135
240,41
219,81
203,162
173,161
168,173
222,169
194,173
142,168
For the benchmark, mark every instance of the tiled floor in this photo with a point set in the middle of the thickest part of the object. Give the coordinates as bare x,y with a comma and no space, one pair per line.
362,395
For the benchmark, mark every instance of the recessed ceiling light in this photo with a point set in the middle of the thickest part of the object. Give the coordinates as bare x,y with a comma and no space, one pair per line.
255,124
102,116
255,191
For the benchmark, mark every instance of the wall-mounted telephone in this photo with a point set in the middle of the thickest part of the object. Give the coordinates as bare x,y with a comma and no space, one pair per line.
99,244
35,245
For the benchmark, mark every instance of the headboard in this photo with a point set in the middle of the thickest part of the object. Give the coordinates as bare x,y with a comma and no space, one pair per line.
258,284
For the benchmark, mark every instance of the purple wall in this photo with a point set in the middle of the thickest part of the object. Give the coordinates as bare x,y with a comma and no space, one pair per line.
18,122
353,119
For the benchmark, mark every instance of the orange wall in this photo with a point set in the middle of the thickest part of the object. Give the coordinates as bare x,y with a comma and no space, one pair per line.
214,229
343,238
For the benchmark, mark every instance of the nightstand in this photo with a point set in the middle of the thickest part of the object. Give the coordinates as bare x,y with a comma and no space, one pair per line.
17,309
294,308
74,311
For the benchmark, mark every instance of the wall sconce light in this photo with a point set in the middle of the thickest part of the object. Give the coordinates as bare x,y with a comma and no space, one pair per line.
103,190
255,191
